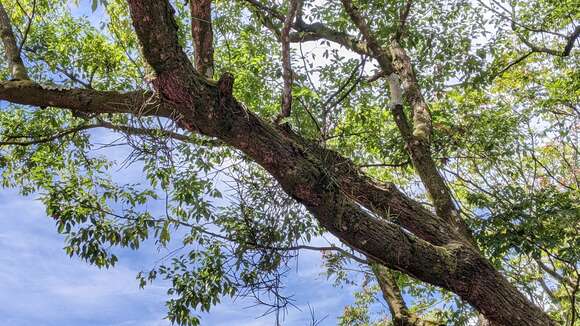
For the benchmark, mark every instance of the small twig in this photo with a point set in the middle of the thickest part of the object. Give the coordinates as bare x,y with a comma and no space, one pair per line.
11,50
513,63
403,20
46,139
28,25
392,165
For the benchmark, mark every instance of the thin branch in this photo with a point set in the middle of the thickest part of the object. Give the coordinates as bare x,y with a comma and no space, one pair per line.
311,116
570,40
267,9
250,244
46,139
73,77
28,25
146,131
509,17
391,165
15,63
286,63
403,20
326,105
151,132
513,63
311,32
553,273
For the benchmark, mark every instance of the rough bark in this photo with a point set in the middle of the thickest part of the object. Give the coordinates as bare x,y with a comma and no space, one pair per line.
193,102
139,103
202,32
457,267
416,136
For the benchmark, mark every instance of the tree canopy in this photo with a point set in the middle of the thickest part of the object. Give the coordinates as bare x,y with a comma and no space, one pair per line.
434,142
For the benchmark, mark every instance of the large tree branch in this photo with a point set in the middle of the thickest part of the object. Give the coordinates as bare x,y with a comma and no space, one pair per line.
308,177
417,137
301,176
12,51
138,103
384,200
214,112
397,65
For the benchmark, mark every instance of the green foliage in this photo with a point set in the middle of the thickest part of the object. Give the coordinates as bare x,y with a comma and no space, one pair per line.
506,140
358,314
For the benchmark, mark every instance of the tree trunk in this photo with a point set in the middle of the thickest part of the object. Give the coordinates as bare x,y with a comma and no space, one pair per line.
311,181
311,176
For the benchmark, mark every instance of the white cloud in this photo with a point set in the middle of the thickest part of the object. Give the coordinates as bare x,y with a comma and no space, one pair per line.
40,285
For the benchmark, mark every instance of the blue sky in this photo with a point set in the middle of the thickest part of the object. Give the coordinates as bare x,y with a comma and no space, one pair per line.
41,285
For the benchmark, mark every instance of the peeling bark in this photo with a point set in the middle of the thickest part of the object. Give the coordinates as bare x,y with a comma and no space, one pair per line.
421,116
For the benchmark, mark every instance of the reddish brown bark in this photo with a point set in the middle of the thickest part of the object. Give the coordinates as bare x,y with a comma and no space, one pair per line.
457,267
340,204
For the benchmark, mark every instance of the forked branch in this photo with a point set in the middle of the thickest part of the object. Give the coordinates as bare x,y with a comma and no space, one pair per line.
11,49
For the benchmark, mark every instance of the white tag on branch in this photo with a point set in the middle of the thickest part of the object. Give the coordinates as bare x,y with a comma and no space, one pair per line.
395,89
